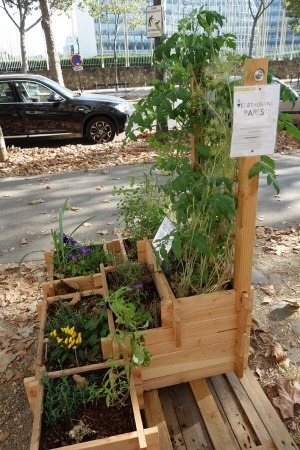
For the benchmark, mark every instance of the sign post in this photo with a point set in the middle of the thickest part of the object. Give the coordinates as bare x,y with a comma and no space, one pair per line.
76,61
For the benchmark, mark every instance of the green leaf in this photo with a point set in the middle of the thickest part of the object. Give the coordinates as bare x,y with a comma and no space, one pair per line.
199,242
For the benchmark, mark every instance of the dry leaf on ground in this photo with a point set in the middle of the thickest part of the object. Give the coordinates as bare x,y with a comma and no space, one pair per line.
281,356
288,396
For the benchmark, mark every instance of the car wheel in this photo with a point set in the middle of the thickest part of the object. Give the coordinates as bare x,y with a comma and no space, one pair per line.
100,130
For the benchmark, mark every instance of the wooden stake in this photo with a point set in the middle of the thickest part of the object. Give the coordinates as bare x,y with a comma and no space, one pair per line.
245,232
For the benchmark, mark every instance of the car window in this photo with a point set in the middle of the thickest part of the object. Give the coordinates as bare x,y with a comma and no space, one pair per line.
30,91
6,95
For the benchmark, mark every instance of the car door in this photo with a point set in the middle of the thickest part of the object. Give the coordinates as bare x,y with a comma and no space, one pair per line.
12,121
46,113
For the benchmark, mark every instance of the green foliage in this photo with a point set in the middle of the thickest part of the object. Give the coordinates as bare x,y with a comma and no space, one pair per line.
292,8
130,320
197,94
90,327
63,398
141,207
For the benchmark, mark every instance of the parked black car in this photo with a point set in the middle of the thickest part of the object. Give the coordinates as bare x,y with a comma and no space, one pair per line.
33,106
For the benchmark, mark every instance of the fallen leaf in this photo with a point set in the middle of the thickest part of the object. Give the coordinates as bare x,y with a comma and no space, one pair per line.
100,188
106,200
47,186
105,171
266,300
102,232
24,241
110,223
79,380
75,208
6,359
35,202
87,224
281,356
75,299
293,303
3,436
268,289
288,396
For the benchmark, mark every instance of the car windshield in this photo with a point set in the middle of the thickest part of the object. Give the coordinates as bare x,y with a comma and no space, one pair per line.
61,89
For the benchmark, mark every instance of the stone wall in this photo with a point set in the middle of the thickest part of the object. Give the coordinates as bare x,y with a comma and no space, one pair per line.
142,76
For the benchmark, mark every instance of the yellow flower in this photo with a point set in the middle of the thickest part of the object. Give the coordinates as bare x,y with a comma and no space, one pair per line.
63,330
67,330
70,345
70,339
54,333
66,341
71,331
79,339
59,340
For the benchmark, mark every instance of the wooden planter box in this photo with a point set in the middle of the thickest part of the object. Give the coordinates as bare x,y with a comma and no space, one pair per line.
115,247
200,336
43,310
140,439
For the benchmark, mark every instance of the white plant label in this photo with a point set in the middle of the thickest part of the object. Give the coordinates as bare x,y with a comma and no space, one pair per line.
165,228
255,117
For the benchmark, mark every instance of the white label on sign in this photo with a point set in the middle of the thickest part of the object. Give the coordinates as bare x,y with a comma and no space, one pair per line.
77,68
154,18
165,228
255,117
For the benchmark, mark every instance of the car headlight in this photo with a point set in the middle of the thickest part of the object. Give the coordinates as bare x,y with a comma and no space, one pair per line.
123,107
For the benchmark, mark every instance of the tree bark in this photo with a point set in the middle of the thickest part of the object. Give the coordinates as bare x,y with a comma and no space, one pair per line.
24,64
3,152
53,59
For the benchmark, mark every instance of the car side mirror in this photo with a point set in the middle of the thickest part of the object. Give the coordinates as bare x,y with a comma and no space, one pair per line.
54,97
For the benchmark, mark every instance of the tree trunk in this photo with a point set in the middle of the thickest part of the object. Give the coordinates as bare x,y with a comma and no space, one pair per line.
115,50
53,59
3,152
24,62
252,36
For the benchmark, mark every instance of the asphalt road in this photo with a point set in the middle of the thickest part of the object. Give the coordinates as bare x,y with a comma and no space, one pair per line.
21,221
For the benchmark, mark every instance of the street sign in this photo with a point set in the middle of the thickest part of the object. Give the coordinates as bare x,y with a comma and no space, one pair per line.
76,60
154,18
77,68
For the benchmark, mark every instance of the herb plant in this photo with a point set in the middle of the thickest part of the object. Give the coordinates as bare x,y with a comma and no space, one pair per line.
141,207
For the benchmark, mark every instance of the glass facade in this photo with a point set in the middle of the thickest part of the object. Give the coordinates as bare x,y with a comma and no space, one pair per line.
273,37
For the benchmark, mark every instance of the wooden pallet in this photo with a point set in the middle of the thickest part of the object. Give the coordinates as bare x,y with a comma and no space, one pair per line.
219,413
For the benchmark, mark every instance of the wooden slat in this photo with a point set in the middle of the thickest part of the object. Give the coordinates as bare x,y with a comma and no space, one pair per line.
199,308
155,417
251,413
190,421
183,376
216,428
173,425
137,418
243,334
189,359
37,421
281,437
39,356
243,431
160,340
31,386
235,444
126,441
270,446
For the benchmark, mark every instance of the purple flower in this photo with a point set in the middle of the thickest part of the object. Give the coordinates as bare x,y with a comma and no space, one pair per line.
137,286
71,241
107,305
85,250
74,256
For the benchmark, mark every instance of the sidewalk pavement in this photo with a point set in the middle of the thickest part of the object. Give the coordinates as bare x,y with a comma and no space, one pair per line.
25,227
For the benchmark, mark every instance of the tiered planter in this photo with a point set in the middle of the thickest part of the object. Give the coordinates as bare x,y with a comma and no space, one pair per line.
141,438
200,336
